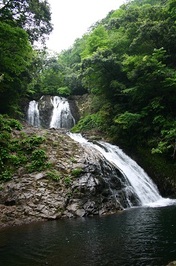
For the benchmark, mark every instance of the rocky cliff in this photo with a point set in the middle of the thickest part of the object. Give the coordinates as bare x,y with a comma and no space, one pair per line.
75,184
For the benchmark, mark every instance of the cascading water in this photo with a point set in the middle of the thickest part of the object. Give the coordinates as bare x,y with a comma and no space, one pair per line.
33,117
137,181
50,112
61,117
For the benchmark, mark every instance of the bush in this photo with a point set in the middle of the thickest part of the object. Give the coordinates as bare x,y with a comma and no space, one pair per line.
54,175
89,122
67,180
64,91
16,152
6,175
38,161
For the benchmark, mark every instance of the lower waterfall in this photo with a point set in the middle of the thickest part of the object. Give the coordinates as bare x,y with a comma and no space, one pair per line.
137,182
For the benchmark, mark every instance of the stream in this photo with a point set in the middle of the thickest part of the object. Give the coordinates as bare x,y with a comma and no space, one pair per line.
142,236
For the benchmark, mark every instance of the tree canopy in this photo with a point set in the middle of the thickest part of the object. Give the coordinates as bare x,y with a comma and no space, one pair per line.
32,15
126,62
21,23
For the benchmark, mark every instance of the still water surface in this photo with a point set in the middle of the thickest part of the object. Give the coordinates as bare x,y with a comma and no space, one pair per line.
135,237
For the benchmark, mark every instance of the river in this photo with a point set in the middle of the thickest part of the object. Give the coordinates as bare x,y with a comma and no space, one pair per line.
142,236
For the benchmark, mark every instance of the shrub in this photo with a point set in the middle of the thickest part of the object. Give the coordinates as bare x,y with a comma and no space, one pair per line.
38,161
6,175
16,152
64,91
30,143
53,175
67,180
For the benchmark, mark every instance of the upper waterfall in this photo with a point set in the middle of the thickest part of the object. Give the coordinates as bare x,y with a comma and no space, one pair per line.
33,114
50,112
61,116
137,183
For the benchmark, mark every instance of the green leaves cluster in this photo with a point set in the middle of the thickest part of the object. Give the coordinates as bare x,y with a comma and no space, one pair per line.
21,23
126,62
32,15
15,58
128,65
18,150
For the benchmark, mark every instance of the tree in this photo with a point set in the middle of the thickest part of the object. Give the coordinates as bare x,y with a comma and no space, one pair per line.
98,39
32,15
15,57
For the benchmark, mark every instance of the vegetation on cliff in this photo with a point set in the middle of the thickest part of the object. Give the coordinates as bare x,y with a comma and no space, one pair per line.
17,149
126,63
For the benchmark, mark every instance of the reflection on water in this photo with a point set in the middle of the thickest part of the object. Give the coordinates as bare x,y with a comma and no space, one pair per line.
139,236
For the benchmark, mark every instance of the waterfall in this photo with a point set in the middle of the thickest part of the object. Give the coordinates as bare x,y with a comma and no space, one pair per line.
138,183
61,117
33,117
50,112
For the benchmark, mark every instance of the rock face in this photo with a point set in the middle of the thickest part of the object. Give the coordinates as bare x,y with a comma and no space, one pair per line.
78,184
173,263
45,109
40,113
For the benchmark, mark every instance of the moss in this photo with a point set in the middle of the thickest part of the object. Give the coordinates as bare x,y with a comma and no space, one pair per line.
16,149
54,175
76,172
67,180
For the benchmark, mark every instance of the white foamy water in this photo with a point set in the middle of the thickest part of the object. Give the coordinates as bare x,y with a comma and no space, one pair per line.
61,117
141,184
33,117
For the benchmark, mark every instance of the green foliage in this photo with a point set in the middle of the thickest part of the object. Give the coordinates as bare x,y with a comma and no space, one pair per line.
6,175
76,172
7,124
89,122
31,15
98,39
67,180
126,62
128,65
63,91
15,58
54,175
29,143
39,154
21,23
18,151
38,161
166,144
127,120
15,124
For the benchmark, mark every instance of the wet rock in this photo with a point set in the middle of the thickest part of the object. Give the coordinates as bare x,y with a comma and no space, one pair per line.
173,263
45,108
39,176
80,212
36,196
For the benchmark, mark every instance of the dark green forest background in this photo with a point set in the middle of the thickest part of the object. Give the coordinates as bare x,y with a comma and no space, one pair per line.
126,63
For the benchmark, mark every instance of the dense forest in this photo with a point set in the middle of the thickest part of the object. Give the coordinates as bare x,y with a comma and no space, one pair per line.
125,63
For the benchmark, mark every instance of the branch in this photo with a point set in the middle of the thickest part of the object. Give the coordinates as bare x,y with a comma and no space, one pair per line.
5,6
